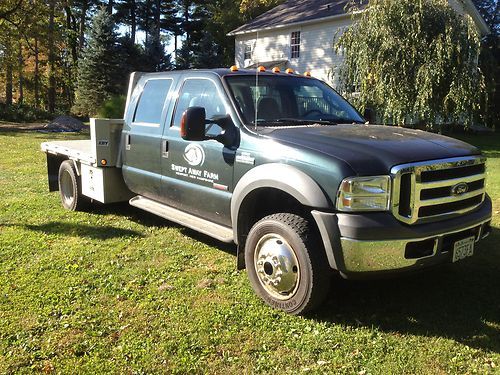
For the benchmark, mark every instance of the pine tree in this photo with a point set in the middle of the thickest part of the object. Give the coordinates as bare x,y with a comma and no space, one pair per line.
207,55
99,70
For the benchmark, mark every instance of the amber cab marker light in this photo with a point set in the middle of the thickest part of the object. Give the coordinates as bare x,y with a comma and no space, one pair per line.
289,71
276,69
234,68
104,162
261,69
307,74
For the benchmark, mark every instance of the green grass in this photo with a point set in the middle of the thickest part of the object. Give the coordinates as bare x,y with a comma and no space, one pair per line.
117,290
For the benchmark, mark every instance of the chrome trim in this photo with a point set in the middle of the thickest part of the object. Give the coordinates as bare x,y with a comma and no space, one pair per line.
417,186
451,182
366,256
452,198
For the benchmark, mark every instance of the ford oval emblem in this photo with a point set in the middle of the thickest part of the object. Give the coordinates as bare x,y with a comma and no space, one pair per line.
460,189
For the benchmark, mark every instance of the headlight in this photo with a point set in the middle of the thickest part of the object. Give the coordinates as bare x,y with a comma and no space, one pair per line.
364,194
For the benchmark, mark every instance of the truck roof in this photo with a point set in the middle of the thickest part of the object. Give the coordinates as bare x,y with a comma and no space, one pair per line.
223,72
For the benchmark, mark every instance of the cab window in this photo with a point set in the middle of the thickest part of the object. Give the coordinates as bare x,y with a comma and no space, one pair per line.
199,93
150,105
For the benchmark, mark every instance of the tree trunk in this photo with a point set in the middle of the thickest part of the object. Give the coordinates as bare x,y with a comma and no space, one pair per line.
83,18
51,68
72,38
156,18
110,6
175,46
37,77
8,73
8,83
133,21
20,60
146,21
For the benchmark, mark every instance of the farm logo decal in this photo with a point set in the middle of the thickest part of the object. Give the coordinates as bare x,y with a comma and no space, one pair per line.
194,154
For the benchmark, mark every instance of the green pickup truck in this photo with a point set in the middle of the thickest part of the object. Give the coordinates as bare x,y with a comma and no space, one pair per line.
284,167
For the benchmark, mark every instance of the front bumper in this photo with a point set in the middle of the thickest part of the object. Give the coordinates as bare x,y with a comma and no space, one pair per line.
369,244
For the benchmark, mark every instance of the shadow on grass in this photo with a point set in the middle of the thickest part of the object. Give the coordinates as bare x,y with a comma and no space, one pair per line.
148,219
460,301
80,230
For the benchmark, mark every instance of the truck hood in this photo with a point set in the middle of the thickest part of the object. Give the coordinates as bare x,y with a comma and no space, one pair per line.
373,149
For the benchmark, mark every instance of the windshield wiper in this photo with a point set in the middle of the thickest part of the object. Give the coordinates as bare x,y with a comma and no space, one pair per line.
294,121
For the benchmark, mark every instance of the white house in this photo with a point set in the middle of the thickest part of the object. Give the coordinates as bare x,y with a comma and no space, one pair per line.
299,34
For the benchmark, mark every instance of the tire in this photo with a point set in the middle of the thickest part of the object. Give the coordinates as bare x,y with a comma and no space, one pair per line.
286,263
70,187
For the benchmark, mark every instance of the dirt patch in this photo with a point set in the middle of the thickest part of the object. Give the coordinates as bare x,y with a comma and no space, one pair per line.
59,124
16,126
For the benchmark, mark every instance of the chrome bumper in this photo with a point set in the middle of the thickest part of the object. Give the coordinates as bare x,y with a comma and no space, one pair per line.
374,256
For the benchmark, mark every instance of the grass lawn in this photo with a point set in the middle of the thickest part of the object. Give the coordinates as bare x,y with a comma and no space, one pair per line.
117,290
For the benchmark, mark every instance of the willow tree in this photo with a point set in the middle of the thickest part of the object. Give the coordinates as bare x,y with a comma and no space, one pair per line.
413,61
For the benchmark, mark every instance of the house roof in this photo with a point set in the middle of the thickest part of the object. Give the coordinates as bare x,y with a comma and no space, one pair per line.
293,12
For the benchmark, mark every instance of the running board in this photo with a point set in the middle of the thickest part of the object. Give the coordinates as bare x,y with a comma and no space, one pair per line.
216,231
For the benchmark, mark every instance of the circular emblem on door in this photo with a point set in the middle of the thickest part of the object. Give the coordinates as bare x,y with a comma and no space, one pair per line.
460,189
194,154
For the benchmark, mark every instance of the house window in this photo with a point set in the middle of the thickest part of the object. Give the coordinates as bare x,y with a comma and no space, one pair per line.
295,45
248,51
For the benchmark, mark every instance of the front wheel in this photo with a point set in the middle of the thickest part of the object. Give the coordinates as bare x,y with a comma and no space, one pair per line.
286,264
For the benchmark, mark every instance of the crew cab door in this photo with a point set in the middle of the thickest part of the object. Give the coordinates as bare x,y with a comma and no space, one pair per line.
142,136
198,176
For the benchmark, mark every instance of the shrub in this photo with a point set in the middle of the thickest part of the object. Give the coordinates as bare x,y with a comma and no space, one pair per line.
114,107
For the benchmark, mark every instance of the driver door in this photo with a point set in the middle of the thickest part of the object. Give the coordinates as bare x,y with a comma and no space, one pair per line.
198,176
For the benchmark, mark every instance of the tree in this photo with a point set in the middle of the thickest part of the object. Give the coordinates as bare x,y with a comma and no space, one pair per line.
489,60
99,73
413,61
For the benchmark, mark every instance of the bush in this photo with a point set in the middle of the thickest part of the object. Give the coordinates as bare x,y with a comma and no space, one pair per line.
22,113
113,107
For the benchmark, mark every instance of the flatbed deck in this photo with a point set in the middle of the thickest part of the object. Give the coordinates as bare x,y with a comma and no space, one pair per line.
80,150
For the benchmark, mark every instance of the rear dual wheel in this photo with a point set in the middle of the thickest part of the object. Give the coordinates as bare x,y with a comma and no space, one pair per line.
286,264
70,187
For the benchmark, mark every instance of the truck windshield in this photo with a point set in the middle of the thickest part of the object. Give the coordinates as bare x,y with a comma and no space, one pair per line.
287,101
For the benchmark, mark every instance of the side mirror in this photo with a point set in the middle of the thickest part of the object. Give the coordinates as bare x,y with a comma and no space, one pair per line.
193,124
369,115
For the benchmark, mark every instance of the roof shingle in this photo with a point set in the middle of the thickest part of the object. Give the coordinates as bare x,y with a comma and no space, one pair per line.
295,11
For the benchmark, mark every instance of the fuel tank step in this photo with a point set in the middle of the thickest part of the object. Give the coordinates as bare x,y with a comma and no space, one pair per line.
196,223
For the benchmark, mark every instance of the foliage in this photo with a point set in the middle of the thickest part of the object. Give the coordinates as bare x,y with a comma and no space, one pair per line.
99,73
489,60
23,113
414,61
114,107
208,56
118,290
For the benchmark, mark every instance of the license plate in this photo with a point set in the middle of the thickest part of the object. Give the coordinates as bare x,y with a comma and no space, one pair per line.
463,248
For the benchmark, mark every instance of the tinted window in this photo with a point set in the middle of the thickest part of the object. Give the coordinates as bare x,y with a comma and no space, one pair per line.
151,102
199,93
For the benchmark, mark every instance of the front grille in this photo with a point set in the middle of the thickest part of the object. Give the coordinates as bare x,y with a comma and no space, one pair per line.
438,189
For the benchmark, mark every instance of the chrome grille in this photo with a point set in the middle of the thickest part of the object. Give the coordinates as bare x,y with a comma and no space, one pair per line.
438,189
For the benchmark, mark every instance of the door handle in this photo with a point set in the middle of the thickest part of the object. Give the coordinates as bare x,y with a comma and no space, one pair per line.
127,142
164,149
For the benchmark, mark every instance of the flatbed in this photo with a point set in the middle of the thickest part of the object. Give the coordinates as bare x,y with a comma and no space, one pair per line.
79,150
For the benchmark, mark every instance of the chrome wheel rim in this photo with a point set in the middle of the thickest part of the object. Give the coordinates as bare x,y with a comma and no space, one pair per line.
276,266
67,188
